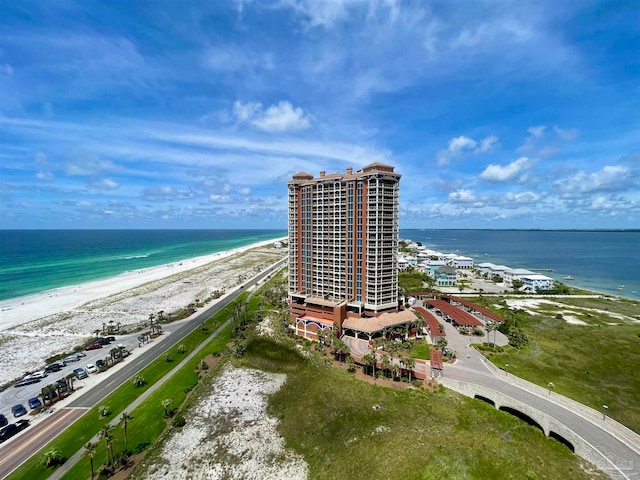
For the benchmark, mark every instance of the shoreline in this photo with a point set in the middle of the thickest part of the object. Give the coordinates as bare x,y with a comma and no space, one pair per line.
56,300
60,320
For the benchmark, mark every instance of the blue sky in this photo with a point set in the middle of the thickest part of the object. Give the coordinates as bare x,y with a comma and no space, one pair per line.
177,114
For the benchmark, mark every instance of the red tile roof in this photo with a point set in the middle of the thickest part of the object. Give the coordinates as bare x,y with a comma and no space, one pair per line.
431,321
458,315
487,313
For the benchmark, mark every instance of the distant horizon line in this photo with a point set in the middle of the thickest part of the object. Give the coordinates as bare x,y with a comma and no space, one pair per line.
285,229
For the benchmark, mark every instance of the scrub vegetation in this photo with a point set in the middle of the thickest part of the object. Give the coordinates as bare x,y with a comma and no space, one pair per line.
587,347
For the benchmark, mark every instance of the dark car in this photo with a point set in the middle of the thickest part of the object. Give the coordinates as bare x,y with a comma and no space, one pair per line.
27,381
34,402
7,432
80,373
93,346
103,341
3,420
50,394
100,364
22,424
18,410
111,339
54,367
62,385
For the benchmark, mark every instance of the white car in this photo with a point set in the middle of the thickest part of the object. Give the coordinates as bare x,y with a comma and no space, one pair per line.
91,368
40,374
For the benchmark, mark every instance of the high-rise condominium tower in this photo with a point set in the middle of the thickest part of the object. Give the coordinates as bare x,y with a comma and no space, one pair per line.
343,243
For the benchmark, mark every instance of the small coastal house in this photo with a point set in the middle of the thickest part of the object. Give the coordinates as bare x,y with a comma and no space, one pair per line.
435,265
463,262
445,276
515,274
536,282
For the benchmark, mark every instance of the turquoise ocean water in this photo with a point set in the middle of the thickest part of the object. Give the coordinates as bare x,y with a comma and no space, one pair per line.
601,261
33,261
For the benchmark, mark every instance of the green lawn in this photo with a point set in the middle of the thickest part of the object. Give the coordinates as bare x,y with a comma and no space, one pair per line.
346,428
420,350
594,364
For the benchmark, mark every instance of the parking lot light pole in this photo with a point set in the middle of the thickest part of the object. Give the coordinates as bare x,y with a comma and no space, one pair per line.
604,411
506,365
551,387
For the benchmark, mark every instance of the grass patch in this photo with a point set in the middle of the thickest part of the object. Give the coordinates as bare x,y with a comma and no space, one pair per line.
590,363
346,428
420,350
265,354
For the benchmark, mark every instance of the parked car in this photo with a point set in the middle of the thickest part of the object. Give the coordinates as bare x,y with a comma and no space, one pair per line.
62,385
54,367
103,341
18,410
93,346
50,394
101,364
27,381
34,402
80,354
3,420
80,373
22,424
111,339
91,368
71,358
39,374
7,432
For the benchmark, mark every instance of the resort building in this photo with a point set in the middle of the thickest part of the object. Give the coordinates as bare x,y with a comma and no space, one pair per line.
445,276
515,274
536,282
343,249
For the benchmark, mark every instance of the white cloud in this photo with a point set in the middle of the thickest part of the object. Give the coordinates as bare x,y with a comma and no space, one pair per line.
48,176
215,198
244,191
314,13
85,163
277,118
230,58
568,135
518,199
461,143
486,144
6,69
106,184
612,178
537,131
498,173
464,196
246,112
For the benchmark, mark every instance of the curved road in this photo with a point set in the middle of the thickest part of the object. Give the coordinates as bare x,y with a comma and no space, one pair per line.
21,448
616,448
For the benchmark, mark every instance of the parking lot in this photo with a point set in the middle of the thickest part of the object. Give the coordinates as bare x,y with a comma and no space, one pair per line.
20,395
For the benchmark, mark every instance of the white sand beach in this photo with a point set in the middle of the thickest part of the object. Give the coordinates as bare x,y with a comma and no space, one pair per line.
42,325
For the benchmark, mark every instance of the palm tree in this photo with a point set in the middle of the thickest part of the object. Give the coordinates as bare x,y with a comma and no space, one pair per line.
166,404
70,378
90,451
370,358
491,327
107,436
125,421
410,364
52,457
386,364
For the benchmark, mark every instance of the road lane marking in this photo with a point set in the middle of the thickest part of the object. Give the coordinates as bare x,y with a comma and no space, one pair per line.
31,439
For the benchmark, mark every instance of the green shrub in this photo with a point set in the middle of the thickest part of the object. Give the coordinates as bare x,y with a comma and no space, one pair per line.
178,421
